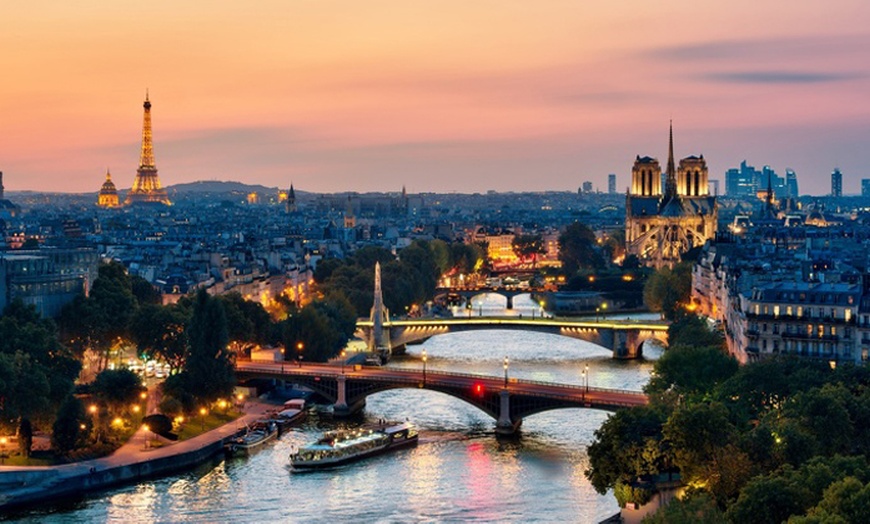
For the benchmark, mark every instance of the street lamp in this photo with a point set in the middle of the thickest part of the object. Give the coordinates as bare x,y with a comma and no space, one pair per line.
586,377
506,362
145,436
299,347
282,363
202,412
343,357
424,367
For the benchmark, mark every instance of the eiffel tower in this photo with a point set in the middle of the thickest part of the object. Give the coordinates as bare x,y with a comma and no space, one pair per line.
146,188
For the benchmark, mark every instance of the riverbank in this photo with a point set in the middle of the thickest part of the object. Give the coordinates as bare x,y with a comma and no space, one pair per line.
26,486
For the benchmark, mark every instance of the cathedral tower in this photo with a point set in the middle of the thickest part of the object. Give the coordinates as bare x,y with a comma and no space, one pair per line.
146,187
290,205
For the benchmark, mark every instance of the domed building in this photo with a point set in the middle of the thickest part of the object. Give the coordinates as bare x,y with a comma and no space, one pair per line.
108,197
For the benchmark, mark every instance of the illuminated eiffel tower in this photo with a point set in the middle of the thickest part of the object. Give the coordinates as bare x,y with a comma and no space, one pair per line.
146,188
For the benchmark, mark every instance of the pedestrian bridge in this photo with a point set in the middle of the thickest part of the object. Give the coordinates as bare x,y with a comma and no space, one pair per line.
624,338
508,401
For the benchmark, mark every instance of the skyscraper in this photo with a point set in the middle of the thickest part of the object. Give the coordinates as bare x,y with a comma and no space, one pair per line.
611,183
146,187
836,183
791,184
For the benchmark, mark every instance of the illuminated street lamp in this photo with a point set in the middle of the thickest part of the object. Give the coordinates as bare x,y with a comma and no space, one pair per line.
424,367
343,357
506,362
299,347
145,436
202,412
3,455
586,377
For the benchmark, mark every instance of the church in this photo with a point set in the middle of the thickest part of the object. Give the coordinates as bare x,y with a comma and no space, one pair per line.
661,225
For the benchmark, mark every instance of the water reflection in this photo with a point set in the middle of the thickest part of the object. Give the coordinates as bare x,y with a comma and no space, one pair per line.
458,472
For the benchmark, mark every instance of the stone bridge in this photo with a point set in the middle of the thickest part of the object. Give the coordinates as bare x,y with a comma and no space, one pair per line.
507,401
624,338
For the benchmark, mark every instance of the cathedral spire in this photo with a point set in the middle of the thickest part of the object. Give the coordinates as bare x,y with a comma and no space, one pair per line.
671,180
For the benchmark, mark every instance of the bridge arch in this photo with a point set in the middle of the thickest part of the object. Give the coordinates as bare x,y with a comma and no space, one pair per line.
622,339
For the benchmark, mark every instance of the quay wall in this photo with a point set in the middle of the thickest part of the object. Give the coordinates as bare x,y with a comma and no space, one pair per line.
21,488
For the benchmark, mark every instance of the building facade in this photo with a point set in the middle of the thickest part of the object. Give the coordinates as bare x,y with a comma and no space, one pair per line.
662,225
108,196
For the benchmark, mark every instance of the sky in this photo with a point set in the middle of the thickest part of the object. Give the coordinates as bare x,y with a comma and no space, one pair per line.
465,96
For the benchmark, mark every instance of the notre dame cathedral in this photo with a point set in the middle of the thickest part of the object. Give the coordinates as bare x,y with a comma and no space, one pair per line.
661,226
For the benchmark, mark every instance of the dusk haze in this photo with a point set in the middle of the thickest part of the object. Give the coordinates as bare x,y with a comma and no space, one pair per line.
437,96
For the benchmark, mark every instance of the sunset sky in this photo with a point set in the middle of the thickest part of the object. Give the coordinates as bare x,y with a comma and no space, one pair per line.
439,96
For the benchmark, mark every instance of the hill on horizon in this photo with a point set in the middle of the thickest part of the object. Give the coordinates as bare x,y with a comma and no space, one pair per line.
220,186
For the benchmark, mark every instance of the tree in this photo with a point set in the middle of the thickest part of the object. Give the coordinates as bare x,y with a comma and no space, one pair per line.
667,291
208,372
528,246
117,389
697,508
36,371
71,427
689,369
628,445
159,332
248,323
846,501
577,249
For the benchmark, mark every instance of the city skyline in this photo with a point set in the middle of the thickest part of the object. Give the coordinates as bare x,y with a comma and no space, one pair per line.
440,96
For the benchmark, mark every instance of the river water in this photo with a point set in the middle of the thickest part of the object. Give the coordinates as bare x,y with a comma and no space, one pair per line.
459,471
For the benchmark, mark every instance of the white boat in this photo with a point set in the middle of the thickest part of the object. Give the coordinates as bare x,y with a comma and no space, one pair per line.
340,447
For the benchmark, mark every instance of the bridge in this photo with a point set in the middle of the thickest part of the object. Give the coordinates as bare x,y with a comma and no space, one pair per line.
508,401
624,338
468,293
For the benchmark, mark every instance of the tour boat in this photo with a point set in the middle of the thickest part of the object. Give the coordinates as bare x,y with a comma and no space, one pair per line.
335,448
256,436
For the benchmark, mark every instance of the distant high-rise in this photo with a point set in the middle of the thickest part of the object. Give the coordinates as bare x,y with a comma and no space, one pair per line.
146,187
611,183
836,183
587,187
714,187
741,182
108,196
791,184
865,187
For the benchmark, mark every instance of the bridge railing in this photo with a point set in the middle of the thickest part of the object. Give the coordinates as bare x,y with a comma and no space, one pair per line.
432,376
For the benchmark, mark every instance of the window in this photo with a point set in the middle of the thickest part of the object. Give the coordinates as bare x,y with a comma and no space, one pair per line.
821,330
800,311
788,311
776,310
847,314
766,311
757,309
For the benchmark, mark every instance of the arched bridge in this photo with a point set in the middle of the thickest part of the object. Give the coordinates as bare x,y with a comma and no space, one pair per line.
469,293
624,337
508,403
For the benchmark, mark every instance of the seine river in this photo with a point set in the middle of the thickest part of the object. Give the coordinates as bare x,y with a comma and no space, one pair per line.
459,471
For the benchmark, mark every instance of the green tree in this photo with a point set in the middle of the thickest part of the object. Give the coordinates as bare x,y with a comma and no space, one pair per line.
846,501
529,247
160,332
697,508
668,290
690,370
71,427
577,249
628,445
248,323
117,389
38,371
208,372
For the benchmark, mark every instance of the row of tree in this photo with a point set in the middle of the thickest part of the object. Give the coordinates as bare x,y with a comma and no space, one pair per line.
766,442
406,280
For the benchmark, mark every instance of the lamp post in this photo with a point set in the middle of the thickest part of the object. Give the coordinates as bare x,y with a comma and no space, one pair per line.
586,377
202,412
597,313
506,362
299,347
424,367
145,436
343,357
